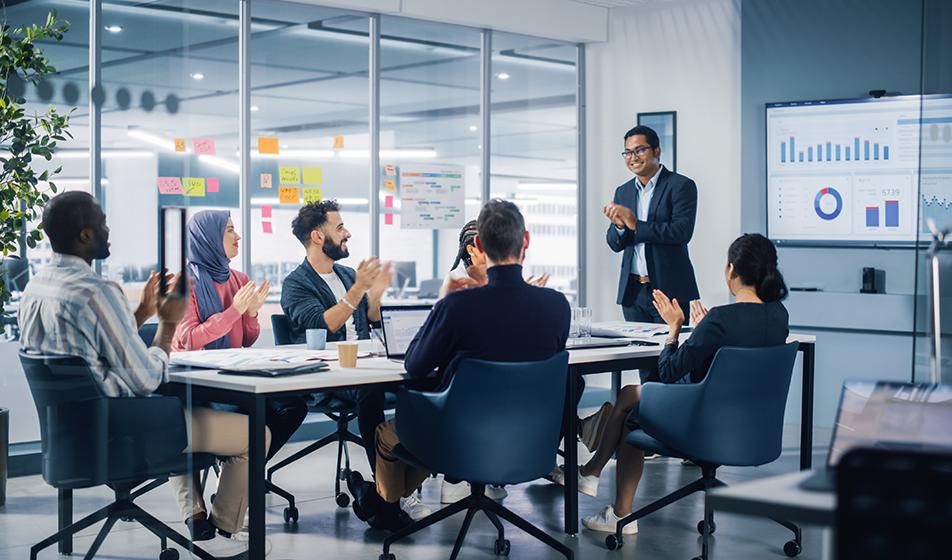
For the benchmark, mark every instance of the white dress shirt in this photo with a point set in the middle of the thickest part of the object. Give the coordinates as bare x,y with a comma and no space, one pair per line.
639,262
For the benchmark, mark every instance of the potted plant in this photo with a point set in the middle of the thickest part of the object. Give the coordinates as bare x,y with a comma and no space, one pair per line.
22,138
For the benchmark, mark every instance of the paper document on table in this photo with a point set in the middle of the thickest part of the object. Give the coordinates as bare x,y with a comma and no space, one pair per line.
631,331
249,359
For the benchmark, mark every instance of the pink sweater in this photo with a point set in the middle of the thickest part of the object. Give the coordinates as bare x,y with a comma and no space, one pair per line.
242,330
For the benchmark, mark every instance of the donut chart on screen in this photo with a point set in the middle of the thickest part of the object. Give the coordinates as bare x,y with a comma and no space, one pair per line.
837,208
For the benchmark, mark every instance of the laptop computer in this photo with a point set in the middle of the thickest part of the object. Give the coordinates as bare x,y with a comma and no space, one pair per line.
400,324
597,342
886,415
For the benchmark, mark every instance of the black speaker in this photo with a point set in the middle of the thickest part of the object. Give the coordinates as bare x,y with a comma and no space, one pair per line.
874,281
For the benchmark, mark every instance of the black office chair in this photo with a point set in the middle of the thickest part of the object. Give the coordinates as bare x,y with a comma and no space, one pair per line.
133,445
341,411
894,504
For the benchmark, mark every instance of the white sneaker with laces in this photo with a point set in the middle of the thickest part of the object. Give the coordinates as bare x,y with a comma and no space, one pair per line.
607,521
557,475
414,507
496,492
224,548
586,484
451,493
242,536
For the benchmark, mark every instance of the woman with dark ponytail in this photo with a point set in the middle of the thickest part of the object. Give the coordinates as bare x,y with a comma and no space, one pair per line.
756,318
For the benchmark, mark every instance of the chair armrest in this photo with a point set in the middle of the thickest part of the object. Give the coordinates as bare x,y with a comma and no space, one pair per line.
420,425
669,412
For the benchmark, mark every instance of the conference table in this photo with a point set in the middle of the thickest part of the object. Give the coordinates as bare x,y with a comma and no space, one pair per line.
251,394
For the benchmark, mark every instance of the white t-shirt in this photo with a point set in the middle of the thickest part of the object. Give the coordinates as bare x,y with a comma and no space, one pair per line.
336,286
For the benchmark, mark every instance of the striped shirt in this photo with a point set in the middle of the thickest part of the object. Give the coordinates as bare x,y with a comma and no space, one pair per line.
69,310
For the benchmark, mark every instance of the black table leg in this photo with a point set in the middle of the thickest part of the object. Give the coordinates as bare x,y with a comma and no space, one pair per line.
65,510
570,417
616,384
256,478
806,408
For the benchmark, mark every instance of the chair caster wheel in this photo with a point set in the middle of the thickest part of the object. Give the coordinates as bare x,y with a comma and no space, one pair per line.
169,554
700,527
343,500
127,519
791,548
501,548
387,556
613,542
290,514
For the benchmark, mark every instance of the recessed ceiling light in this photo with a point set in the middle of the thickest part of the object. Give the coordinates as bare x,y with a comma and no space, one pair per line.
254,107
113,28
473,128
284,146
198,76
502,76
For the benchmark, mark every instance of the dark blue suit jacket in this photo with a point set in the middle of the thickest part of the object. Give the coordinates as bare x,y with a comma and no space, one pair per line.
665,234
305,296
506,321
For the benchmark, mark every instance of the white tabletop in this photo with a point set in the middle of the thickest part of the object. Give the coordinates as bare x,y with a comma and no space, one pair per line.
779,497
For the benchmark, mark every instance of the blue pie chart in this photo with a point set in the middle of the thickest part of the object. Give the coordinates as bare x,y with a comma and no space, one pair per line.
837,207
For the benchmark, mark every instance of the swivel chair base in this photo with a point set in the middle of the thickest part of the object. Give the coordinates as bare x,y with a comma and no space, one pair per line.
477,501
124,509
706,526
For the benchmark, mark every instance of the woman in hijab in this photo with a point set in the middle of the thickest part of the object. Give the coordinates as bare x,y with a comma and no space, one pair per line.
223,309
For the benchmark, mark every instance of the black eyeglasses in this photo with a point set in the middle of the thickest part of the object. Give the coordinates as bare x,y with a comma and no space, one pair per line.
636,152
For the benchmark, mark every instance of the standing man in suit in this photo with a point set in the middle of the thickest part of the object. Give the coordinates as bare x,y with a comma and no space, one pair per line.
652,221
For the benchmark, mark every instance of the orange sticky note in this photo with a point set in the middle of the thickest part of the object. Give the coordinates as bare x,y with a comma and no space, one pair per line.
289,195
180,145
338,142
266,227
265,211
388,219
212,185
391,186
388,202
267,145
204,146
265,180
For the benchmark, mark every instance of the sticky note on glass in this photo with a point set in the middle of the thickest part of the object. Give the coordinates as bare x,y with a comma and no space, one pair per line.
390,170
193,186
265,211
290,175
267,145
289,195
391,186
312,194
313,176
204,146
170,185
388,202
180,145
338,142
388,219
266,227
212,185
266,181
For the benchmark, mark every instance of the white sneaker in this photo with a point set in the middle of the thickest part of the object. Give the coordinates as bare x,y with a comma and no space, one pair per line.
496,492
226,548
242,536
586,484
414,507
451,493
607,522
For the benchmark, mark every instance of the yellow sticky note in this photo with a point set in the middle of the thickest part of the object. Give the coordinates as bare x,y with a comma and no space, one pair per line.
267,145
180,145
193,186
338,142
391,186
313,194
290,175
290,195
313,176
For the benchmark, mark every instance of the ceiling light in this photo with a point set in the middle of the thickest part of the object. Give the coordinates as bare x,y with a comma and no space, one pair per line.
167,144
106,154
302,154
113,28
254,108
473,128
198,76
355,201
562,187
502,76
220,163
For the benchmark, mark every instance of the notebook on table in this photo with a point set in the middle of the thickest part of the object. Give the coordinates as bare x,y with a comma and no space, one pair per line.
261,362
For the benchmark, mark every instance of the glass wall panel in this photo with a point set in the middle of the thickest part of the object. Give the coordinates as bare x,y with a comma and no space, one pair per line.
535,148
429,144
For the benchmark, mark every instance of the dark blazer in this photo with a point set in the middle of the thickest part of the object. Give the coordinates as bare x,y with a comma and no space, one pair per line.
666,234
305,296
506,321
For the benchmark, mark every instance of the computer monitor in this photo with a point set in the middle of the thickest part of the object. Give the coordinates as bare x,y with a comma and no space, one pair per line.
404,275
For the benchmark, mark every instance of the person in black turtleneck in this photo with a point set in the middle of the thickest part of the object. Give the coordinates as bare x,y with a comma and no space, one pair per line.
506,320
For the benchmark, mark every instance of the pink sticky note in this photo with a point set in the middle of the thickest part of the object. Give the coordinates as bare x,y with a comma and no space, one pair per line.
388,219
204,146
170,185
211,185
388,202
266,226
265,211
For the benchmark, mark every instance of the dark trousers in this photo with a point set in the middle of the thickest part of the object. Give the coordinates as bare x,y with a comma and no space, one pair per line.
283,416
637,305
370,407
